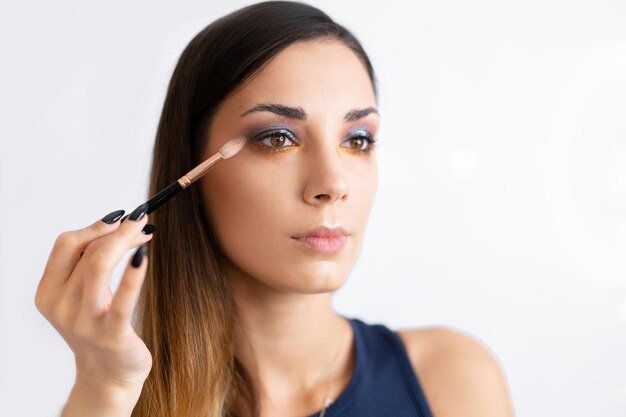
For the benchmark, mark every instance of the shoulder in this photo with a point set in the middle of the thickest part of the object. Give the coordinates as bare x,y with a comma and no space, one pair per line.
458,373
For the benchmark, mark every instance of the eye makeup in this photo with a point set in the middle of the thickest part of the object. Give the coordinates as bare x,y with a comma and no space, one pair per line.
261,137
366,138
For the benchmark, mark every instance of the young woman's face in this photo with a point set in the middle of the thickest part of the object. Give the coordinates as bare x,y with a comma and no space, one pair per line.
308,117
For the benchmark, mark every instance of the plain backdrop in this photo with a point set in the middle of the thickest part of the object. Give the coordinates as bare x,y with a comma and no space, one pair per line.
501,207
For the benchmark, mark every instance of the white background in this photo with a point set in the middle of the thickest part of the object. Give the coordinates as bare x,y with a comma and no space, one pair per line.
501,209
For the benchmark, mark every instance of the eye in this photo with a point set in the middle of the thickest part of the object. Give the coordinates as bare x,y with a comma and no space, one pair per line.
361,141
277,139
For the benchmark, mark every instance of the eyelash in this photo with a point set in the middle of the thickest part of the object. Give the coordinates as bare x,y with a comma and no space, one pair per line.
371,142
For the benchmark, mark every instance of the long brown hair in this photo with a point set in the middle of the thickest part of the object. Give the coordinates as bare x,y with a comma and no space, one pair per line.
185,313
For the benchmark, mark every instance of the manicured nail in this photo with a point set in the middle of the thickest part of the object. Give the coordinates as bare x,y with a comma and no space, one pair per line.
113,216
148,229
139,212
138,256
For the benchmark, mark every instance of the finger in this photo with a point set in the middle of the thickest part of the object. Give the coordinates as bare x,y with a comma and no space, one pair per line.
68,246
140,239
98,263
96,267
125,298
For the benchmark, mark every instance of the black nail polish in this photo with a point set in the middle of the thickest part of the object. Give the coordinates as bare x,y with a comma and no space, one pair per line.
138,256
148,229
124,218
139,212
113,216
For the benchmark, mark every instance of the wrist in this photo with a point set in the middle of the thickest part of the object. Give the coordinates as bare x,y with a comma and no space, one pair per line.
98,398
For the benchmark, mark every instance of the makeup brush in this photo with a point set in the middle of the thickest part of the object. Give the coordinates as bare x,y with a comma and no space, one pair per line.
231,148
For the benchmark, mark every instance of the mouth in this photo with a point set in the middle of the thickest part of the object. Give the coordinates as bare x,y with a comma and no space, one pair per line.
323,239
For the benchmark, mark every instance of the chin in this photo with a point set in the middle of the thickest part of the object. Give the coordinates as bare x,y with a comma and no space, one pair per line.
316,281
320,287
293,275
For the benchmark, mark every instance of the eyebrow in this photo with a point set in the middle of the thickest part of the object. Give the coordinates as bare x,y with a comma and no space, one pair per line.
298,113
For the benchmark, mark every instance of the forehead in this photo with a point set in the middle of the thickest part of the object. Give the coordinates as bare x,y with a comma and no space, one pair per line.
316,75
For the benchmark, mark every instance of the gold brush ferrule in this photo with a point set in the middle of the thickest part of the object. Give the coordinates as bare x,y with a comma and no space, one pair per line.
191,177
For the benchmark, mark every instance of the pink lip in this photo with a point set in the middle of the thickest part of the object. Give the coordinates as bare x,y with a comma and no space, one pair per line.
324,244
324,239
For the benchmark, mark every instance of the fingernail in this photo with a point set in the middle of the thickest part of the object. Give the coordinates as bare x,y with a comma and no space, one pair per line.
148,229
113,216
139,212
124,218
138,256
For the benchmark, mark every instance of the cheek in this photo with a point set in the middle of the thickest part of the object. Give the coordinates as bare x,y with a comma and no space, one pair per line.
253,218
363,190
247,208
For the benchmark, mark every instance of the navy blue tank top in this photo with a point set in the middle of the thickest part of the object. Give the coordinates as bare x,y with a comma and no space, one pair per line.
383,382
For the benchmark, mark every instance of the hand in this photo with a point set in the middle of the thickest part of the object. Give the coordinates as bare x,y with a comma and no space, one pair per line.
75,297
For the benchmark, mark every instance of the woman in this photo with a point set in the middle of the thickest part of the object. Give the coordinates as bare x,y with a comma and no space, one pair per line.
235,315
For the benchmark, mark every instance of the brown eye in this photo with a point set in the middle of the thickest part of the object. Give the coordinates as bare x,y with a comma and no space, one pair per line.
361,141
277,140
357,143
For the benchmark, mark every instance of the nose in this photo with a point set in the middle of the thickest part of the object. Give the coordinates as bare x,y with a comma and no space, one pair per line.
326,180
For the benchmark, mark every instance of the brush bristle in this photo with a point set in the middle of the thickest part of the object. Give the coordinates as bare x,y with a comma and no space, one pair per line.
232,147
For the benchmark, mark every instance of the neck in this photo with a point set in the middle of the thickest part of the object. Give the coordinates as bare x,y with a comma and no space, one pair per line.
295,346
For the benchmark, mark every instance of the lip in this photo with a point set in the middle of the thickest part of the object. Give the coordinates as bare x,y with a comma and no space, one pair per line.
323,231
324,239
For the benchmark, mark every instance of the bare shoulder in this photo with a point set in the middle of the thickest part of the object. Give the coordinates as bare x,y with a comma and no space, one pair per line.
459,374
